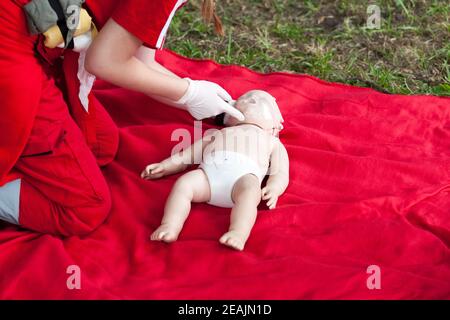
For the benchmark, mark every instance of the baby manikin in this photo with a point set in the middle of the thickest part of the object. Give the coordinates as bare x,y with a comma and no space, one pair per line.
233,163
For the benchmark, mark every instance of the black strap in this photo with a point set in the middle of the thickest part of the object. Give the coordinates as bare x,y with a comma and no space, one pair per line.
62,24
56,6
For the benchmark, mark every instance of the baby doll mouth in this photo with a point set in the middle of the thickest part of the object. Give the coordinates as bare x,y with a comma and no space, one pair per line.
219,120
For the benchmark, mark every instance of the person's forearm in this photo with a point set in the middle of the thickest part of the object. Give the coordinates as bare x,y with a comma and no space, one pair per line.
112,57
158,67
147,56
134,75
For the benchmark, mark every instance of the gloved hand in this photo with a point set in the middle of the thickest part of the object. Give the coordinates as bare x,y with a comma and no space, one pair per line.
205,99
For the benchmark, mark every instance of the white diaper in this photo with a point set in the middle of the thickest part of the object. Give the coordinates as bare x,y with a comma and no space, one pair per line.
223,169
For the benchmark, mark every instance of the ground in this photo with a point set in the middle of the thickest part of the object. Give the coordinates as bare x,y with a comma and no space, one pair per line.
408,54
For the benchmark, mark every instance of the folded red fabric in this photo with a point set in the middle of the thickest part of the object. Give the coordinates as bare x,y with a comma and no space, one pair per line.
370,186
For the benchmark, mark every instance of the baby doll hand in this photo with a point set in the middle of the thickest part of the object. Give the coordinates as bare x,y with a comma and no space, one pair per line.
153,171
271,194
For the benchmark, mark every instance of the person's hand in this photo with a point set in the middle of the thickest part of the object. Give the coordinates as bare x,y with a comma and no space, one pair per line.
270,193
205,99
153,171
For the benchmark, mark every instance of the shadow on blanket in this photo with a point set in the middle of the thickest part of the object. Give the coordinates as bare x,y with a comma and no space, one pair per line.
370,185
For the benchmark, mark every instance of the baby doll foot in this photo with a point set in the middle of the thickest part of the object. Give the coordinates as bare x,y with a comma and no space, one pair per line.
233,240
165,233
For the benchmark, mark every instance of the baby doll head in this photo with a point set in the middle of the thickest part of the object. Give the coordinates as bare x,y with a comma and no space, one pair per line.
259,108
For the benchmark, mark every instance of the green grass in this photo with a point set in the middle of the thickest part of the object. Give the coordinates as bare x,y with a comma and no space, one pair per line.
409,54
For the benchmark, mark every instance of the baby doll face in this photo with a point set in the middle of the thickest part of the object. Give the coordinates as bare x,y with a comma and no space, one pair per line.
259,108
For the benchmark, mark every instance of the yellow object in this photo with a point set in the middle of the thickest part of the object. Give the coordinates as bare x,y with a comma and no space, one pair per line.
54,37
94,31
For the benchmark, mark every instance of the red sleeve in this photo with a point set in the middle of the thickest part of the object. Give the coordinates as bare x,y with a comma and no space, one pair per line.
20,85
148,20
101,10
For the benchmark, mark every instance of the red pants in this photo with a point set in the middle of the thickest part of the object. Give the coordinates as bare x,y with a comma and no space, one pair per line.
63,190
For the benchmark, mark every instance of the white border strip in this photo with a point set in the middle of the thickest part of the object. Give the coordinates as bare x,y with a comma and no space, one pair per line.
166,26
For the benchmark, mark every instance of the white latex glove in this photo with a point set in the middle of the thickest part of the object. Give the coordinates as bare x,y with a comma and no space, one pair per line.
205,99
80,43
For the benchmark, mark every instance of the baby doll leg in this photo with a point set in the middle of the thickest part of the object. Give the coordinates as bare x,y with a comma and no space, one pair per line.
246,196
190,187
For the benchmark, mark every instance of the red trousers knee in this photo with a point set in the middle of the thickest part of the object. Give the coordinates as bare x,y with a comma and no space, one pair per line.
63,190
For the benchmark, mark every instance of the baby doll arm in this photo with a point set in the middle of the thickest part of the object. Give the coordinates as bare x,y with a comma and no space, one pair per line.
177,162
278,175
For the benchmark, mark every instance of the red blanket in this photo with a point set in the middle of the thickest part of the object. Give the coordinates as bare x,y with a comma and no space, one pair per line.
370,185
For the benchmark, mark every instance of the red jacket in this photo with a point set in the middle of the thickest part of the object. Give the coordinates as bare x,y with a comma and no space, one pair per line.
146,19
